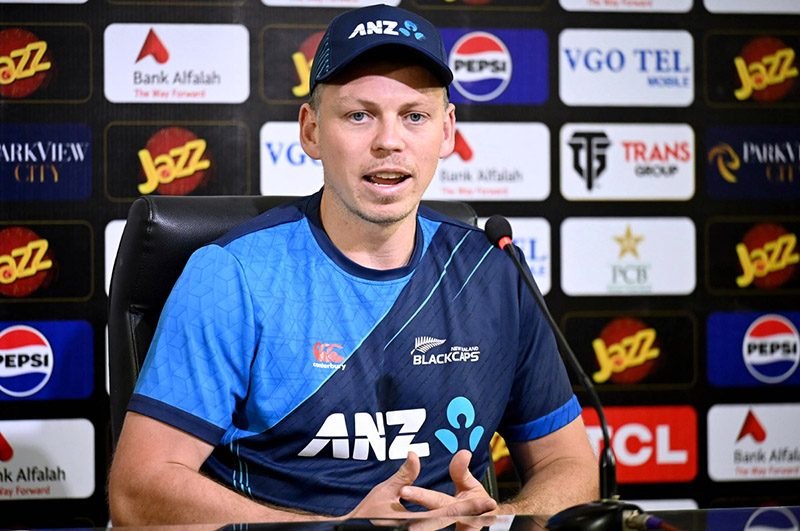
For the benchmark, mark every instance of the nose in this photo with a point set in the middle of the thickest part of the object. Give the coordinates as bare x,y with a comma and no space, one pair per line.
388,135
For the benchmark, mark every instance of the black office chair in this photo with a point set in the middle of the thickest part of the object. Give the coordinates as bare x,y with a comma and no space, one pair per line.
160,235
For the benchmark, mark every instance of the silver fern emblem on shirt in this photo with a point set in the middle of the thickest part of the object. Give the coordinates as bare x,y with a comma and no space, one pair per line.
424,343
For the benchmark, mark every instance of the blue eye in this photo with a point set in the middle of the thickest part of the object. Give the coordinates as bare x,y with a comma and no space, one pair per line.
415,117
358,116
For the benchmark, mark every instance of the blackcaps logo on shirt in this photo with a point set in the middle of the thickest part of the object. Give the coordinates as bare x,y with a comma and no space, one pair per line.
387,27
370,433
423,344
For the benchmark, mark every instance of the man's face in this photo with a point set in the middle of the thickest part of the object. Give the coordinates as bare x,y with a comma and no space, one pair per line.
380,130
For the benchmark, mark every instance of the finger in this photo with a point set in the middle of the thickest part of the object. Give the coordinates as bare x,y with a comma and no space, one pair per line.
407,473
459,471
430,499
470,507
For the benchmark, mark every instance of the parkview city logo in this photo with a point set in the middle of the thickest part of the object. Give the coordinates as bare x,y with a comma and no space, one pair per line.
749,162
497,66
628,256
46,459
41,162
652,444
177,63
753,442
532,236
626,67
629,6
627,162
753,349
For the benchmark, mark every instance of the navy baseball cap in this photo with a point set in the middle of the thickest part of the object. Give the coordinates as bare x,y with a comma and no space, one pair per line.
355,32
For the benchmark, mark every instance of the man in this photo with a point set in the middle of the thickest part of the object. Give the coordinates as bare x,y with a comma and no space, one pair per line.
322,358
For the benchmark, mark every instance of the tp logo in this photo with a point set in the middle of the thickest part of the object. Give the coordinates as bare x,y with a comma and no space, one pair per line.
457,408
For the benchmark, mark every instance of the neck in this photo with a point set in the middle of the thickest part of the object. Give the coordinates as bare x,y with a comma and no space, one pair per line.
371,245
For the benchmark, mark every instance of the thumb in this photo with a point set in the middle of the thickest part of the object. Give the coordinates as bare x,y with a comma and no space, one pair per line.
408,471
459,471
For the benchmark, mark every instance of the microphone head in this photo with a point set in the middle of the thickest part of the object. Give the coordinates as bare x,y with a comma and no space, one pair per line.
497,227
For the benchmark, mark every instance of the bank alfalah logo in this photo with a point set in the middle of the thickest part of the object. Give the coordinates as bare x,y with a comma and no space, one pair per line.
589,154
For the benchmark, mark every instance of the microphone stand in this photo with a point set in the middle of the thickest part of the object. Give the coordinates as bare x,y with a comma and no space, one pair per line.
608,513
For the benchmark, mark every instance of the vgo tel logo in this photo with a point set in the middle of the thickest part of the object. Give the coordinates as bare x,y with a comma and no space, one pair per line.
630,67
174,161
285,167
771,348
652,444
497,66
25,63
26,361
767,256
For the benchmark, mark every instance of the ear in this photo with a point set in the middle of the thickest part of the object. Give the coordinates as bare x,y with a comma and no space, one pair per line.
309,131
449,132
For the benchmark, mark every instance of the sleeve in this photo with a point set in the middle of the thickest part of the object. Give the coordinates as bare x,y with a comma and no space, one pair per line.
197,368
541,399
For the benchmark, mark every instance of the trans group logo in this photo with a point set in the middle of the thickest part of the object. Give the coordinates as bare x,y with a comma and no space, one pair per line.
753,349
497,66
627,162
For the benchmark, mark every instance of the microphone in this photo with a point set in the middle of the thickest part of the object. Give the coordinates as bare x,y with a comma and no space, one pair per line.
608,513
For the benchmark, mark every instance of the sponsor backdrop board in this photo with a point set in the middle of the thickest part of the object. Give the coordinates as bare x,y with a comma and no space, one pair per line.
647,154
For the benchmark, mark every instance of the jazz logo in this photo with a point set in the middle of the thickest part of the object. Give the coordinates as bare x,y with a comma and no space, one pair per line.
31,261
775,255
30,62
772,69
631,351
179,162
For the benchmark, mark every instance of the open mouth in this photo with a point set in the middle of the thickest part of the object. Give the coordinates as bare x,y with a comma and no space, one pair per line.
386,179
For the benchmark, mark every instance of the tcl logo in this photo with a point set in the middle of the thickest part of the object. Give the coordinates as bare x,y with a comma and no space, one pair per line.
652,443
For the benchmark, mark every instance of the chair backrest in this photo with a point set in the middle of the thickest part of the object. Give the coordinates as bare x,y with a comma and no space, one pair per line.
160,234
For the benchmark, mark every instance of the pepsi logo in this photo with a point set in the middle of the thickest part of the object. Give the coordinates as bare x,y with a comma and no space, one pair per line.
481,65
771,349
26,361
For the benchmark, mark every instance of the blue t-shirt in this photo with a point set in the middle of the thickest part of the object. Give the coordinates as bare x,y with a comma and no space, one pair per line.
314,376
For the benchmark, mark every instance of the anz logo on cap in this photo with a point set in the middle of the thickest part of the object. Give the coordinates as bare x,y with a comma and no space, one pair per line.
387,27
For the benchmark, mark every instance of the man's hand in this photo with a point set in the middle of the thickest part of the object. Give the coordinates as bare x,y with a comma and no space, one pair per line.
383,501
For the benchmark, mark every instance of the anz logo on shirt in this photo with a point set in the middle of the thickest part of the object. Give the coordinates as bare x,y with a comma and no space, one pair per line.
370,433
